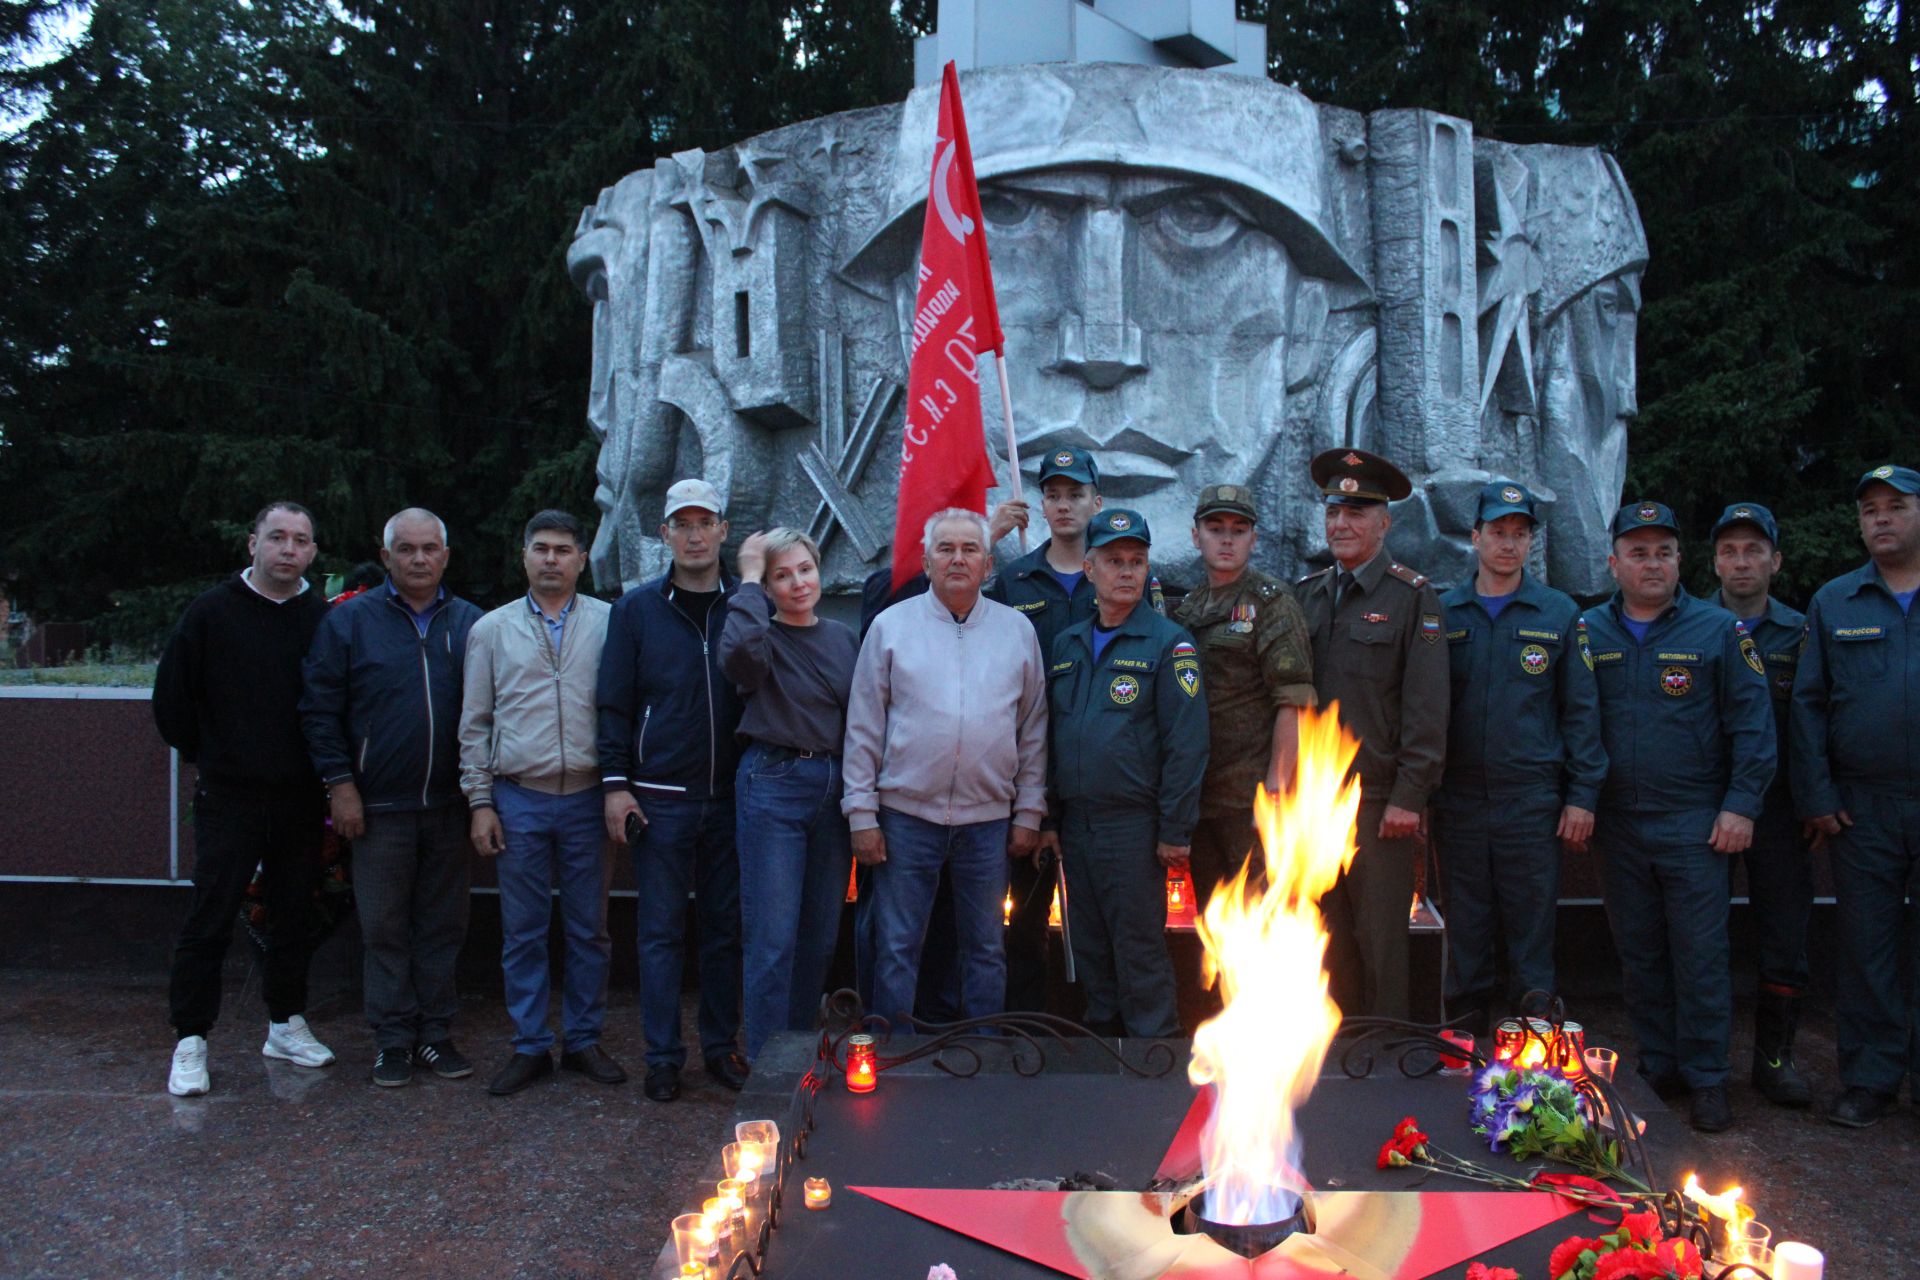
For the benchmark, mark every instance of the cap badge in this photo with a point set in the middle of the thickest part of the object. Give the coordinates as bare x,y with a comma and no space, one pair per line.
1119,521
1510,494
1647,511
1742,513
1352,459
1063,459
1883,473
1349,485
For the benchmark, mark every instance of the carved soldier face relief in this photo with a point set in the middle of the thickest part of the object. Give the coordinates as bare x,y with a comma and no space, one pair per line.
1146,318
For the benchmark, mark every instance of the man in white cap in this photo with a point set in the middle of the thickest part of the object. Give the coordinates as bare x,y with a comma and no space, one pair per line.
667,754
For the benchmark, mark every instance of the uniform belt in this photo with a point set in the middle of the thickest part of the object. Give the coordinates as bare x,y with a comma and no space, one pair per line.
795,753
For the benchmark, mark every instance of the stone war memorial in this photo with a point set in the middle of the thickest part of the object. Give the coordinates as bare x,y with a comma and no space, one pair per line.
1203,277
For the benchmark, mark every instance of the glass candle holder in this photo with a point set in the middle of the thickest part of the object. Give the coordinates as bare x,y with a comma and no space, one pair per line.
1571,1050
1603,1062
819,1193
764,1131
720,1219
733,1197
863,1068
1509,1038
692,1243
743,1161
1456,1063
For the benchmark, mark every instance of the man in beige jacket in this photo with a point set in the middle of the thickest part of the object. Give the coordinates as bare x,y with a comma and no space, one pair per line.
532,778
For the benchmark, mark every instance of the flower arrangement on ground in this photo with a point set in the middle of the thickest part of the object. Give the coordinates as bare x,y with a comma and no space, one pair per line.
1537,1113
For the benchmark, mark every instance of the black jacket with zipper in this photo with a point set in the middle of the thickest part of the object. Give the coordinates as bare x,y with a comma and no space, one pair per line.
382,702
667,714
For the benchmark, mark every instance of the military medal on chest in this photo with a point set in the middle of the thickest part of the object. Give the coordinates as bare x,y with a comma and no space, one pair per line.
1241,619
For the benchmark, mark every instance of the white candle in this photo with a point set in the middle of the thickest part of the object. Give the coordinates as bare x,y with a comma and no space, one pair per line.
1795,1261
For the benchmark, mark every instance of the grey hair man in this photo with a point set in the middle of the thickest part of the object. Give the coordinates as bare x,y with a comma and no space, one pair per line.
945,764
382,716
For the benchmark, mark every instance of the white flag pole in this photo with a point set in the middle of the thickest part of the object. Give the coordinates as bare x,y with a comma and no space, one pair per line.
1013,445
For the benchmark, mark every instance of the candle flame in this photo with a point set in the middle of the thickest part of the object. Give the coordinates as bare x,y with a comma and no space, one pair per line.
1266,943
1725,1205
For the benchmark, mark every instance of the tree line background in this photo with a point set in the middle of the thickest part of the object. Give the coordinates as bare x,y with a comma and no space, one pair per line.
316,248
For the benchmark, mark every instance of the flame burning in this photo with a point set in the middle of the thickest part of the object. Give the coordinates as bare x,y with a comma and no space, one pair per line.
1266,945
1727,1206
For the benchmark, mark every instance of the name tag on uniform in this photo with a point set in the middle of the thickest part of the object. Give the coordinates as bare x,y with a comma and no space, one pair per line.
1609,655
1031,606
1790,656
1457,636
1537,635
1061,668
1674,656
1134,664
1859,633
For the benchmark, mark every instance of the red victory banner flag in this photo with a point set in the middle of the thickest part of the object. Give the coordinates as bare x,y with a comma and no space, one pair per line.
943,454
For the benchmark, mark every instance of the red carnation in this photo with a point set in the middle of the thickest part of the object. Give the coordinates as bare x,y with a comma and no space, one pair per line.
1680,1257
1566,1255
1630,1264
1642,1227
1481,1271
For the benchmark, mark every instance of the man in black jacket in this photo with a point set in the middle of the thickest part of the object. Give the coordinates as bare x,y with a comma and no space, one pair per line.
227,698
667,756
382,720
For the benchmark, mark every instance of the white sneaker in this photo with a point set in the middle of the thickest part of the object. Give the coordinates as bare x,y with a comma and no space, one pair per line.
292,1041
189,1075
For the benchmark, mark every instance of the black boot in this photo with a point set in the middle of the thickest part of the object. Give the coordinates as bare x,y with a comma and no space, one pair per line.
1774,1021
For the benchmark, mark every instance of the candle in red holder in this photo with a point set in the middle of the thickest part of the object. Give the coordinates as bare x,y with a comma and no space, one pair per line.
1509,1038
862,1071
1463,1042
1573,1050
1176,893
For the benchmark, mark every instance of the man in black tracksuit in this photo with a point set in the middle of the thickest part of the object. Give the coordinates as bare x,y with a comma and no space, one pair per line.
382,719
667,754
227,698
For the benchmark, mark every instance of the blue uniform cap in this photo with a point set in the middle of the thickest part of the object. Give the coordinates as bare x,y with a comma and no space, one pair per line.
1505,498
1903,480
1115,524
1747,513
1645,515
1074,464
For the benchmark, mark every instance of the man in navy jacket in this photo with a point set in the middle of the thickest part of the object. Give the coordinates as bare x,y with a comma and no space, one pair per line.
667,756
382,719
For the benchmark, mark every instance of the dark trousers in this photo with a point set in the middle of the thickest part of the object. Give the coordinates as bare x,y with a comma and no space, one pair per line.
1667,895
1500,873
1366,913
411,879
1876,881
1032,890
1780,889
1117,894
236,829
688,847
1220,846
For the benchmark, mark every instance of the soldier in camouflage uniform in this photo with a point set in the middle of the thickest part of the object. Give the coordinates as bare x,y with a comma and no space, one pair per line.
1258,664
1377,651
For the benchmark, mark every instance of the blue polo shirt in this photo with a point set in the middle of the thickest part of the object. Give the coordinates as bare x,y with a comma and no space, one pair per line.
556,625
422,619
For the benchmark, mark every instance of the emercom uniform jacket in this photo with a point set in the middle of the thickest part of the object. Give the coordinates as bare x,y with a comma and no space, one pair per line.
667,714
1526,709
1029,587
1257,658
1777,634
1380,656
1856,699
1130,732
1685,714
382,704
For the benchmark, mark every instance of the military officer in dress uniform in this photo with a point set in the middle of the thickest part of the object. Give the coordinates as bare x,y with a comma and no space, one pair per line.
1376,628
1690,752
1128,751
1746,556
1524,760
1856,779
1049,585
1258,664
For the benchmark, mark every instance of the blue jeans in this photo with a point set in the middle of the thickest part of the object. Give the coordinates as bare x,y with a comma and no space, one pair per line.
687,847
794,854
1667,895
903,889
552,838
